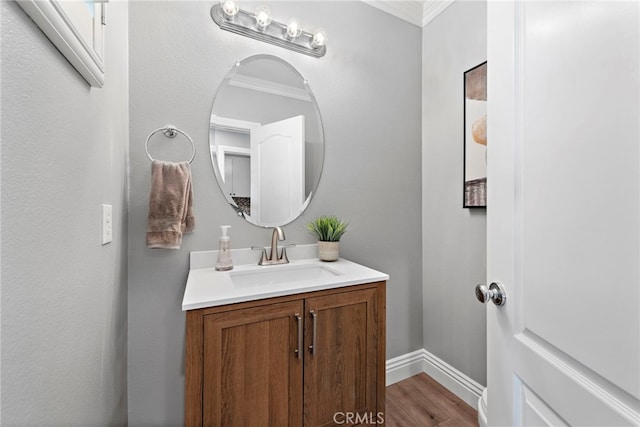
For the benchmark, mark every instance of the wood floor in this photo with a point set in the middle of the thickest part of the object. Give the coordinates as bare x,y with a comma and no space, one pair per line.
420,401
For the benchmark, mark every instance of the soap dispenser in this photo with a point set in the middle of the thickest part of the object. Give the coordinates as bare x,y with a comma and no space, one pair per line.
224,262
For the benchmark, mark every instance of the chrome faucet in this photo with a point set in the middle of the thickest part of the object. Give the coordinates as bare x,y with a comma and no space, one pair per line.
273,257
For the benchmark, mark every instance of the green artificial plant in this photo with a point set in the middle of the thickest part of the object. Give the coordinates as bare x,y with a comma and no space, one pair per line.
328,228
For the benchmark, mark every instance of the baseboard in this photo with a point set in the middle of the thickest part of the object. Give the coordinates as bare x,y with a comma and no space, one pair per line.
454,380
410,364
405,366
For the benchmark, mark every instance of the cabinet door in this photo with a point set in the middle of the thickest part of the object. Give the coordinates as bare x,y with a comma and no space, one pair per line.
237,172
252,375
341,363
241,176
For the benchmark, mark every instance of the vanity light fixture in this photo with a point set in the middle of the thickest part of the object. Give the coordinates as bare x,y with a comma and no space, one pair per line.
261,26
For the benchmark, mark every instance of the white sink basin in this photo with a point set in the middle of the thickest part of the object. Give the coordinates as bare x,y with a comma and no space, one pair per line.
248,281
276,275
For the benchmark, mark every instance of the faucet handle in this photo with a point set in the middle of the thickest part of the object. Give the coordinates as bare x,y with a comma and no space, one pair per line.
263,257
283,254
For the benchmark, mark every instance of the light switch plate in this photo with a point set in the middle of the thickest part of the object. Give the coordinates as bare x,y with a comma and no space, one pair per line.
107,224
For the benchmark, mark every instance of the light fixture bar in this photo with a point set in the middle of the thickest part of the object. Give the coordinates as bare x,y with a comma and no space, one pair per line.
244,23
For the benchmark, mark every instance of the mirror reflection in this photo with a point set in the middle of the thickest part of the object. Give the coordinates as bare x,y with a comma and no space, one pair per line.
266,140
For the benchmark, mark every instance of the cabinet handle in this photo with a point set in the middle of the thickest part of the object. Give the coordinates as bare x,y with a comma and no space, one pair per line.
298,351
312,347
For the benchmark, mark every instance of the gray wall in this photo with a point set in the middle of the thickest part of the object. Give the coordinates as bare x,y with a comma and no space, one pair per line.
368,89
454,239
64,298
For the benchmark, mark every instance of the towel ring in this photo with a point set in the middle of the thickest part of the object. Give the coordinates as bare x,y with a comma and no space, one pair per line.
170,131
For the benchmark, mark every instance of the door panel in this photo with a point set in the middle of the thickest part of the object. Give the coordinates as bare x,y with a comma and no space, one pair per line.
340,373
580,180
535,412
563,212
249,362
578,395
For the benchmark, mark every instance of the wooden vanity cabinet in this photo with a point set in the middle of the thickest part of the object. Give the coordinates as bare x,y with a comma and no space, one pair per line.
244,367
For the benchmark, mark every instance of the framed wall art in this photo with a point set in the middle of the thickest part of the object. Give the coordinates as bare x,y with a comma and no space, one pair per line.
475,137
76,29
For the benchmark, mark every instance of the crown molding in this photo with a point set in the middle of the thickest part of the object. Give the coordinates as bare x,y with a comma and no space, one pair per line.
266,86
416,12
433,8
409,10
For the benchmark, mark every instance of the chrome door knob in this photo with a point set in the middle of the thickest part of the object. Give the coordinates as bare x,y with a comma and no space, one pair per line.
494,292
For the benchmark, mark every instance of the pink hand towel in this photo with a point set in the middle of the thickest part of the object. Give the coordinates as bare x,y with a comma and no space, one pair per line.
170,205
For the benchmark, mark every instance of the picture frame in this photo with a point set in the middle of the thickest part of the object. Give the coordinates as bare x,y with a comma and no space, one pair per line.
76,28
475,137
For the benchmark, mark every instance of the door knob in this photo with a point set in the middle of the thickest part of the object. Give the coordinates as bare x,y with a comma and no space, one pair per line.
494,292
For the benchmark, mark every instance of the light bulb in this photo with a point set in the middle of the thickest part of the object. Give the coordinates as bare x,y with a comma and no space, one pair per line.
293,28
229,7
319,39
263,17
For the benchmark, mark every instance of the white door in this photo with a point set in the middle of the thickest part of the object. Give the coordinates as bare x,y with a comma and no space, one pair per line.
563,213
277,171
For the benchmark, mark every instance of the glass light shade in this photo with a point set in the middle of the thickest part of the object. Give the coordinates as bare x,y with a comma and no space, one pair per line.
263,16
229,7
293,28
319,39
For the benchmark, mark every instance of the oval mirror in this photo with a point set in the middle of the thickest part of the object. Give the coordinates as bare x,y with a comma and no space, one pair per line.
266,140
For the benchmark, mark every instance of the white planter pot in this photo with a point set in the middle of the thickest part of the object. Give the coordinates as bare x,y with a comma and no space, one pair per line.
328,251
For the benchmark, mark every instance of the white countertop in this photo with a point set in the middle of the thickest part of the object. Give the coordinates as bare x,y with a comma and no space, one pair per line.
207,287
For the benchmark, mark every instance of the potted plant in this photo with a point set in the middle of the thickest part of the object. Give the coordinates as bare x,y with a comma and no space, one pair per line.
328,229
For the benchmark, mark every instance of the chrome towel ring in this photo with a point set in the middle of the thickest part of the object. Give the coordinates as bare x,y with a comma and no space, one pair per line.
170,131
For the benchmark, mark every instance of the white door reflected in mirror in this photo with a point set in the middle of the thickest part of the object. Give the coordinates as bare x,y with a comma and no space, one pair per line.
277,171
